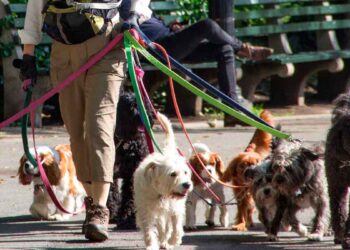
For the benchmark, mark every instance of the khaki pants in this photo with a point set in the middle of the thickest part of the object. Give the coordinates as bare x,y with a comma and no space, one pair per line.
88,105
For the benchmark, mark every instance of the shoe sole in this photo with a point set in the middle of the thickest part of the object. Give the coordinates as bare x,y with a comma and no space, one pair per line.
93,234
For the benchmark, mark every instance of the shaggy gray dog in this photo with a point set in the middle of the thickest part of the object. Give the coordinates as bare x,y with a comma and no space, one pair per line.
337,161
298,173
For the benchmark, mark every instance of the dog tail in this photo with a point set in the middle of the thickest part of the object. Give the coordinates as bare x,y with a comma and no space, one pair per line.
170,137
200,148
262,140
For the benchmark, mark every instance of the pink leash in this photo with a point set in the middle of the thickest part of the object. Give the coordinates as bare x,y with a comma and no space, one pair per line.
92,61
34,104
139,74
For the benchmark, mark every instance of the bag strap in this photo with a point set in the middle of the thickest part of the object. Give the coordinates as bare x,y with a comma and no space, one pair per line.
100,6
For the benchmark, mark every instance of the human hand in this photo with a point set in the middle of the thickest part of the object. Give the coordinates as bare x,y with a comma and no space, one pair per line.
176,26
27,68
131,22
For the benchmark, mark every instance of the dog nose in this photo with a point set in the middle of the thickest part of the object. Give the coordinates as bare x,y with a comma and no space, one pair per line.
186,185
267,191
279,179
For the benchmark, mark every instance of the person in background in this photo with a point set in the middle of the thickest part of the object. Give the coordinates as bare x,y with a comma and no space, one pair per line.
200,42
88,105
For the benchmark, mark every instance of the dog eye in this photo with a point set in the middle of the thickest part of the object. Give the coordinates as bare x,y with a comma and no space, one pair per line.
173,174
186,172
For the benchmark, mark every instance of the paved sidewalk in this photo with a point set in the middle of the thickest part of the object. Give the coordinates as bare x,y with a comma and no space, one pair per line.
19,231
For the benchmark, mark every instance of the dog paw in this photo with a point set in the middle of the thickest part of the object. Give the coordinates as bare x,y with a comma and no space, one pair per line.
165,245
240,227
315,237
210,223
57,217
302,231
175,241
345,244
272,237
152,247
190,228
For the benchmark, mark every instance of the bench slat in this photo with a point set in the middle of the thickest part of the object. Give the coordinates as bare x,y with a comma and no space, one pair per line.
296,11
18,7
251,2
161,5
309,56
292,27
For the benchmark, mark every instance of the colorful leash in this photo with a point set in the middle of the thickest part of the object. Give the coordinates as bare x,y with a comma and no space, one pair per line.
135,76
30,107
92,61
199,81
202,94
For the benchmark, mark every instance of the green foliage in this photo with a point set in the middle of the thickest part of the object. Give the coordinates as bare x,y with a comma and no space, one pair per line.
193,10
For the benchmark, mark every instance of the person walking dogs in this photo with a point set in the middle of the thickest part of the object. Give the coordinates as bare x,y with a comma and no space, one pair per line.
79,30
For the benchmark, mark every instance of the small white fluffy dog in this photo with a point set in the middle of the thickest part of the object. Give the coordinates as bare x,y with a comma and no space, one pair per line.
161,185
60,170
215,166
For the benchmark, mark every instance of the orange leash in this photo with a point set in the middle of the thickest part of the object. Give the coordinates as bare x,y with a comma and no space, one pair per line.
179,116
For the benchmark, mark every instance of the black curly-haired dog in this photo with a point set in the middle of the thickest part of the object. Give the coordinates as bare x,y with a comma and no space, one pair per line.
337,161
131,148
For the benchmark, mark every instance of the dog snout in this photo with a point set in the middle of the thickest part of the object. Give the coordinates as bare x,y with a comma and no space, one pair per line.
27,166
267,191
279,179
186,185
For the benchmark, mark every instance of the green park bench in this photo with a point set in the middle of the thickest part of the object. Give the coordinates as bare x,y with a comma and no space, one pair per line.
274,23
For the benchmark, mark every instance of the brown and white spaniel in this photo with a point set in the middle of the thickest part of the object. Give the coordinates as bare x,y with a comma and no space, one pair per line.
215,166
60,170
258,149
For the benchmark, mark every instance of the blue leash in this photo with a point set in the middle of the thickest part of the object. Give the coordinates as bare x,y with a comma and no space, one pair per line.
199,81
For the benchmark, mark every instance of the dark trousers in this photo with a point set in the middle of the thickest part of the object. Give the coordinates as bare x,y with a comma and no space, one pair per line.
205,41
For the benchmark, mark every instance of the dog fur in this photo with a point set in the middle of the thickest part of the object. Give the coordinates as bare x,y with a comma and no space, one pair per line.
60,170
215,167
271,204
258,148
337,165
161,184
298,173
131,149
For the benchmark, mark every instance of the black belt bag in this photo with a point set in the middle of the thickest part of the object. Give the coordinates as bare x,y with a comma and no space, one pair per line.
73,22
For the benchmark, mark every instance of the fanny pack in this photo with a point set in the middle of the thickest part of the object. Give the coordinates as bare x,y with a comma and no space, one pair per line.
74,22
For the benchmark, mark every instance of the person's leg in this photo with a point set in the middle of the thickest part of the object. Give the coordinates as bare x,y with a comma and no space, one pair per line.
224,55
182,43
102,84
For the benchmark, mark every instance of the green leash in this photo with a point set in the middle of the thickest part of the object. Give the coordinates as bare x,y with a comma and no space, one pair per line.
200,93
24,132
135,86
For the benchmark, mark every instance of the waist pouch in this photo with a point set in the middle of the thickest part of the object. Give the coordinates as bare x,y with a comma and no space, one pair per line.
69,25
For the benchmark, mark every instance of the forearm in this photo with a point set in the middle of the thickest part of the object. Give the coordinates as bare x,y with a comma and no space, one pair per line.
28,49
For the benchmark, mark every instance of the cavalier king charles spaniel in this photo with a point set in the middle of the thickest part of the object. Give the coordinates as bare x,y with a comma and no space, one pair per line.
258,149
215,166
60,170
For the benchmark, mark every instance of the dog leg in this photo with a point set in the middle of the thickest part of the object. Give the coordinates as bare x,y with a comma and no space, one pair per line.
276,222
210,213
338,196
320,220
69,205
163,233
223,216
150,236
240,223
177,232
191,205
298,227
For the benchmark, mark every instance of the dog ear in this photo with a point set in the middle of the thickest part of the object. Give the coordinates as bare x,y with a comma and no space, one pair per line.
23,179
150,170
230,171
51,168
219,165
308,154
